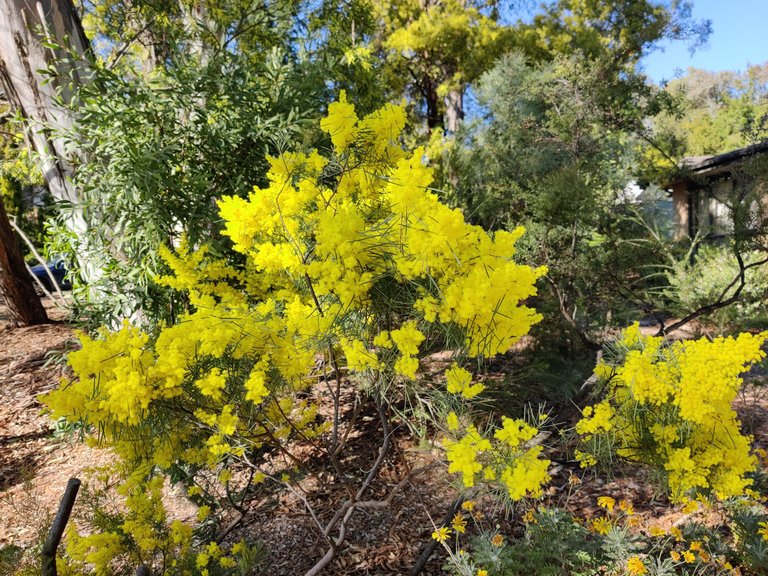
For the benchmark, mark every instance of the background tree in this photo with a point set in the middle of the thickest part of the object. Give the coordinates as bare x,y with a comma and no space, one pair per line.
715,112
37,77
15,282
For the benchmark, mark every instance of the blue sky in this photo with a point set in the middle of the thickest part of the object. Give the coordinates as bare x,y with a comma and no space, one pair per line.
739,37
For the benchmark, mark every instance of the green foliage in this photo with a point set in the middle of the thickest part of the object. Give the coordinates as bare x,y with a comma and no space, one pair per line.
158,35
716,112
553,543
553,157
700,281
625,29
135,529
160,153
20,180
748,522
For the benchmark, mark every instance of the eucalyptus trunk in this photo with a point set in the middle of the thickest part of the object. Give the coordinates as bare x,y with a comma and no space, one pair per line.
43,58
15,282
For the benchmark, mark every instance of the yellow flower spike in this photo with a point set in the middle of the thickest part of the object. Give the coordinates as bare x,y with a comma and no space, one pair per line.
202,560
341,122
203,512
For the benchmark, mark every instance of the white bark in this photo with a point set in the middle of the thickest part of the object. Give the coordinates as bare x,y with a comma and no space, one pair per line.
454,110
24,27
38,79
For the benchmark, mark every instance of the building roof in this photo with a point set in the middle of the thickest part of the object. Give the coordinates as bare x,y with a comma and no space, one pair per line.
709,166
706,164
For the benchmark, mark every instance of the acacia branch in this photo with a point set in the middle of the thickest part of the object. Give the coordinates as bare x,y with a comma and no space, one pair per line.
355,502
723,299
43,263
563,304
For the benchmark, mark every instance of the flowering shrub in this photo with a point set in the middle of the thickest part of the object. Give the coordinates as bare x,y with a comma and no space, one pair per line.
141,532
669,406
354,267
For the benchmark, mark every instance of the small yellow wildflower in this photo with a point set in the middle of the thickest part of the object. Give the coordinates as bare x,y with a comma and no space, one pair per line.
202,560
688,557
695,546
675,555
656,531
468,505
203,512
636,566
529,517
690,507
482,572
600,525
704,556
441,534
497,541
763,530
453,421
459,523
606,502
675,531
626,507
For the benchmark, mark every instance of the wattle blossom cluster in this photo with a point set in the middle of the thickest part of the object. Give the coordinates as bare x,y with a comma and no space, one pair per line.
670,406
378,222
510,458
351,264
137,533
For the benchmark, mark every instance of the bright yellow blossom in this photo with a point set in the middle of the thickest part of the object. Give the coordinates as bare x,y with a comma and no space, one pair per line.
606,502
441,534
635,566
459,523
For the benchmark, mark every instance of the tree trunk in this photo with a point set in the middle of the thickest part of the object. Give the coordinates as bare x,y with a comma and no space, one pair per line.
15,281
434,118
454,110
24,26
30,33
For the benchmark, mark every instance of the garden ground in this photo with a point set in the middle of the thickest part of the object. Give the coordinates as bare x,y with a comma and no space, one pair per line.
409,496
